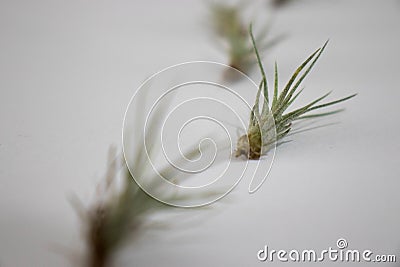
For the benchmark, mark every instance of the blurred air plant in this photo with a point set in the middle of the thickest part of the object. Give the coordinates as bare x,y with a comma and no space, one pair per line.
280,3
116,215
121,207
261,135
229,26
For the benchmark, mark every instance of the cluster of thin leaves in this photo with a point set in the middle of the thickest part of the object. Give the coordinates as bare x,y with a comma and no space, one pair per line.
258,139
116,215
230,27
118,212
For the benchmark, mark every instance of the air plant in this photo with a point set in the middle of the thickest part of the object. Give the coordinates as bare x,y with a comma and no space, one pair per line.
271,125
115,216
280,3
118,214
229,26
120,209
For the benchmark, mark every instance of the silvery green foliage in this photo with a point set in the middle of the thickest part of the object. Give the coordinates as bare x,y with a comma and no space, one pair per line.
260,133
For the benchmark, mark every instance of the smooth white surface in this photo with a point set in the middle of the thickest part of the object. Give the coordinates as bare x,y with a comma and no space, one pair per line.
69,68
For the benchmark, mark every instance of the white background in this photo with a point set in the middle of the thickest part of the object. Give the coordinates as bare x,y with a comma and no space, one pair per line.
69,68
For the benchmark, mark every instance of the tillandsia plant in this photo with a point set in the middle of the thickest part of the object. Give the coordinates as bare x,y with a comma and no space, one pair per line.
121,206
280,3
229,26
261,136
118,214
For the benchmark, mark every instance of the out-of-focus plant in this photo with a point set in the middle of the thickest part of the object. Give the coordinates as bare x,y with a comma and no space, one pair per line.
121,206
280,3
261,134
116,215
229,25
118,212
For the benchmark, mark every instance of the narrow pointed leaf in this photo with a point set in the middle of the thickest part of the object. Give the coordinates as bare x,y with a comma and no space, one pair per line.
320,114
332,103
303,109
293,90
259,64
275,98
294,76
